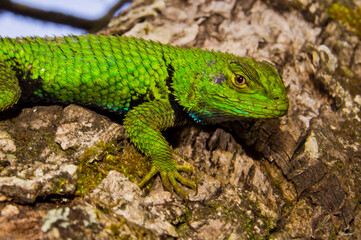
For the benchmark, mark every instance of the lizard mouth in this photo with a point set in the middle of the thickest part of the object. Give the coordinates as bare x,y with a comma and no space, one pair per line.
283,106
279,109
272,111
265,110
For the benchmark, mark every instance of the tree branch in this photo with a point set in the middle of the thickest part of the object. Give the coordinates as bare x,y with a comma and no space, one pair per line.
57,17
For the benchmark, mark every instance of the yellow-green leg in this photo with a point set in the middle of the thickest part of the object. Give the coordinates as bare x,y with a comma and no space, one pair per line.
144,125
9,87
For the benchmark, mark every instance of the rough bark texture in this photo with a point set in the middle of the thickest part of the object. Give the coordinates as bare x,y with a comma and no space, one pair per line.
298,177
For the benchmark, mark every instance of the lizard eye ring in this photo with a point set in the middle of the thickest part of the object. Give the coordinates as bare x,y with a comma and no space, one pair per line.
240,80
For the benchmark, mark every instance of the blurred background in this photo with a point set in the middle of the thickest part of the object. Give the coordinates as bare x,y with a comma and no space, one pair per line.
14,25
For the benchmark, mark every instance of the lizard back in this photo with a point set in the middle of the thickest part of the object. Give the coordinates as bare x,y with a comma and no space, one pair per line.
106,71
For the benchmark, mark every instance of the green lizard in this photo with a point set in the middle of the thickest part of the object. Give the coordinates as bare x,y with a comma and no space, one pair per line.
156,86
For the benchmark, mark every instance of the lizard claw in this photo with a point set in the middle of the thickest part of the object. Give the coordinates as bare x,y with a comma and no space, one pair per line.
170,179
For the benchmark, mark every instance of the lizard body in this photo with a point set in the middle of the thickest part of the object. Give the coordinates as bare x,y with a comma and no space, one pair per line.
156,86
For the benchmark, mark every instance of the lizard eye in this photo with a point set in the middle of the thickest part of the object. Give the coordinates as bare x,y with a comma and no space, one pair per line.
240,80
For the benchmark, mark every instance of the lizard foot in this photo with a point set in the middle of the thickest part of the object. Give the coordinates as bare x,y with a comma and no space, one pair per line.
170,179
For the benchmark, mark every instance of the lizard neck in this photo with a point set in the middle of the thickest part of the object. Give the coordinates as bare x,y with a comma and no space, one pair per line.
192,74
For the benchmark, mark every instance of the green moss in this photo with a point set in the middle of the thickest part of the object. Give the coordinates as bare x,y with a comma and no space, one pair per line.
186,216
29,149
115,229
61,183
340,166
97,161
347,15
183,225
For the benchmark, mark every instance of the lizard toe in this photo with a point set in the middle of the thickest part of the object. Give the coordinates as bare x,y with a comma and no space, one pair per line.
185,168
171,179
153,171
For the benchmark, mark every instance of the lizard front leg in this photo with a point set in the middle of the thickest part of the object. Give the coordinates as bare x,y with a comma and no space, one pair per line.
143,125
9,87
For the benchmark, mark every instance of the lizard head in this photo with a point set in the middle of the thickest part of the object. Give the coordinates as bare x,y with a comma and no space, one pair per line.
236,88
